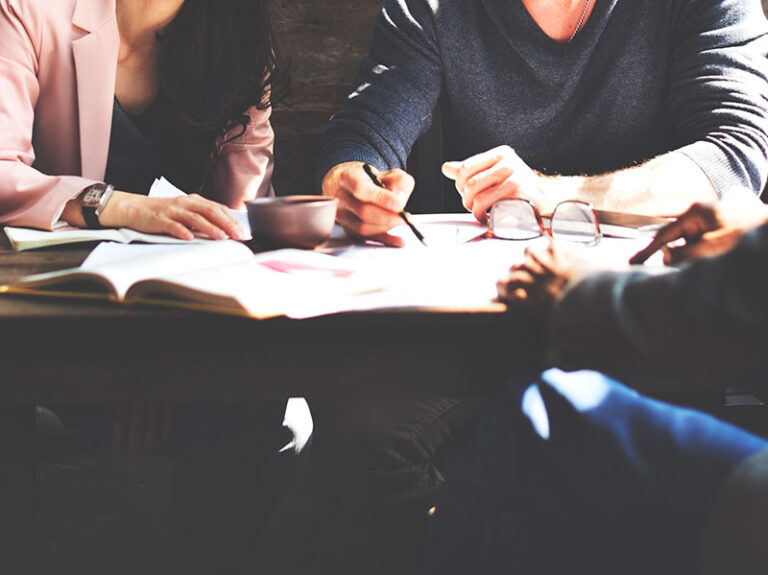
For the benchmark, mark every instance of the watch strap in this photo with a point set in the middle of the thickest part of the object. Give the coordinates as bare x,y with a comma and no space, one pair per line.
91,209
90,217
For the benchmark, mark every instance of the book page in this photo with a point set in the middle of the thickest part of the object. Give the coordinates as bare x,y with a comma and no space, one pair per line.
124,265
459,277
269,284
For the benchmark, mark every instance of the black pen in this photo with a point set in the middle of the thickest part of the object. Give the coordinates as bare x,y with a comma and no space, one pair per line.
403,214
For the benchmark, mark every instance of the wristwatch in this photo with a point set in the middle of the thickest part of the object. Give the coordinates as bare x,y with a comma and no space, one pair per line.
93,200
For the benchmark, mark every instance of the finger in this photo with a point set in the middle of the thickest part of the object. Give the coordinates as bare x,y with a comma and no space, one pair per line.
451,169
388,240
505,289
479,163
485,200
518,276
175,229
710,244
219,216
370,214
151,428
201,225
699,219
545,257
485,180
354,226
668,233
400,182
360,186
533,263
510,289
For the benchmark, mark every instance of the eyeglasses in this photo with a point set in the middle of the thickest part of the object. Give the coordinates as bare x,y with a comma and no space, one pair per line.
519,219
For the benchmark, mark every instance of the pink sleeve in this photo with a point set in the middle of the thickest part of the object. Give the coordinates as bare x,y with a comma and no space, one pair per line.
27,196
245,167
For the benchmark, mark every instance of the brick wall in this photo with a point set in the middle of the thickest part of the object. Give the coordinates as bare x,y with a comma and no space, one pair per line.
326,39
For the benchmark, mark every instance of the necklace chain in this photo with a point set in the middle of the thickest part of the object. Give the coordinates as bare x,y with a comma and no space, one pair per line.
581,21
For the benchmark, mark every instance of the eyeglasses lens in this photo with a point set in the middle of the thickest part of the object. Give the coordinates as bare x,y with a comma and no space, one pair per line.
574,222
514,220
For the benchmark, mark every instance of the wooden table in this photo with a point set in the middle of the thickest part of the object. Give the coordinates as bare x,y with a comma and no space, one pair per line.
55,350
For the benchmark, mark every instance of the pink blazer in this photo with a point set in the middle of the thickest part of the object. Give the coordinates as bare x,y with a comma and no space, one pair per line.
58,63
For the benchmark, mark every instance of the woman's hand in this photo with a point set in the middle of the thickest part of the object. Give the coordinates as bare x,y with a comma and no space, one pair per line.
366,210
184,217
706,229
536,283
497,174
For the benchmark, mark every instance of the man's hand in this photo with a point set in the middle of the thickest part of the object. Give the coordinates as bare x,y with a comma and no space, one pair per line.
707,229
536,283
497,174
366,210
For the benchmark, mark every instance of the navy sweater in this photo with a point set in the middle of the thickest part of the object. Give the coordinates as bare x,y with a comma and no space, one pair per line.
642,77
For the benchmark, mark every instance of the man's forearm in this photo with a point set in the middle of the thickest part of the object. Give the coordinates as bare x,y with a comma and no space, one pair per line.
664,186
707,319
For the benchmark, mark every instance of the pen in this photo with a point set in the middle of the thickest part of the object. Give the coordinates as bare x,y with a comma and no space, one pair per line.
403,214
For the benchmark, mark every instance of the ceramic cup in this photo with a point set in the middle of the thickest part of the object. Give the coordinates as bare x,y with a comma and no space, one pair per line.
291,221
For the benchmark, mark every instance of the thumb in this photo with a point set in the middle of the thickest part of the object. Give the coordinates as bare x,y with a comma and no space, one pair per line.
451,169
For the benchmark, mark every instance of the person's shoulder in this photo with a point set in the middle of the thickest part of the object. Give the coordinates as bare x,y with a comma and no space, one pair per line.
22,10
257,131
750,7
39,9
37,15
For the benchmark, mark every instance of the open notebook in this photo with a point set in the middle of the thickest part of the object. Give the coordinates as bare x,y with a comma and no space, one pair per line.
222,277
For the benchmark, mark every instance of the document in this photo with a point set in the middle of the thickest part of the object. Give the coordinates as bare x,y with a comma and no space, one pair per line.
459,271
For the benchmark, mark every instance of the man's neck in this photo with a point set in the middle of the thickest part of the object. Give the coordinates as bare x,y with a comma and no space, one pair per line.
559,18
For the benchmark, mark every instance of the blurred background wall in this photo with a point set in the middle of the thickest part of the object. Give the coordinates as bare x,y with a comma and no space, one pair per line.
325,41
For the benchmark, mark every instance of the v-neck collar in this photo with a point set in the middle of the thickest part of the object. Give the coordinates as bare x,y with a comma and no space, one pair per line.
515,23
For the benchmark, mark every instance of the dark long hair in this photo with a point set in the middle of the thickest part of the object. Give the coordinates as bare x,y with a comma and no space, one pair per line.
217,59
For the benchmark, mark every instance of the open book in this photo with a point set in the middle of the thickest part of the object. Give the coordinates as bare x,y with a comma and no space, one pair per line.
62,233
223,277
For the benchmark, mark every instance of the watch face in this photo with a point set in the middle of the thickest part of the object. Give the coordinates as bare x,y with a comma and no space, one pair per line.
92,195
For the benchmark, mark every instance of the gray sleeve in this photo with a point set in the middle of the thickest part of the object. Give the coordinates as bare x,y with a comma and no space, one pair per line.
719,91
397,88
709,319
